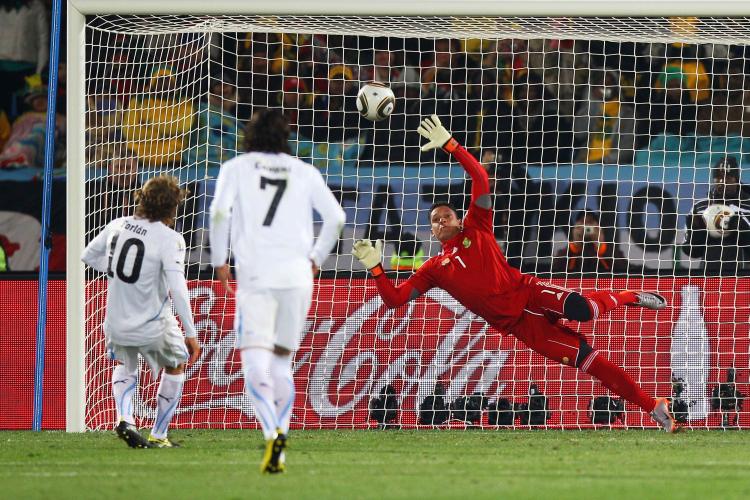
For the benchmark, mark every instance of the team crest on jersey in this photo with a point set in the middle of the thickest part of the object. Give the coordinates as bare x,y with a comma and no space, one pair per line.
446,261
466,242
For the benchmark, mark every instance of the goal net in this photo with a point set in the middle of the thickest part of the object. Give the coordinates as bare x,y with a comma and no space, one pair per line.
599,135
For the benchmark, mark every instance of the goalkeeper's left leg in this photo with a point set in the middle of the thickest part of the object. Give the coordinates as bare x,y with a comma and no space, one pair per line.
561,344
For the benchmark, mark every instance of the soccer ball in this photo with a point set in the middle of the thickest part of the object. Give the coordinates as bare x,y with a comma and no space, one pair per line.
717,219
375,101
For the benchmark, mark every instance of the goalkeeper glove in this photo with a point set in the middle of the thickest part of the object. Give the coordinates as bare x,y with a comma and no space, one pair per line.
432,130
367,253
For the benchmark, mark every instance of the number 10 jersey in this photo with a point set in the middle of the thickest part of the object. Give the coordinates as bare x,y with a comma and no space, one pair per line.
136,253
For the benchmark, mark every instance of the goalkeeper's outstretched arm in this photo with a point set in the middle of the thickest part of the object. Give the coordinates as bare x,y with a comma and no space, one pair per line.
393,296
433,130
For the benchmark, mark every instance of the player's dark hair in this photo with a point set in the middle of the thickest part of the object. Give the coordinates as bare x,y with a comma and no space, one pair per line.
268,132
444,204
158,199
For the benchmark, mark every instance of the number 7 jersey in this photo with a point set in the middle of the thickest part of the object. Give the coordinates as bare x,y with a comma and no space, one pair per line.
266,202
136,253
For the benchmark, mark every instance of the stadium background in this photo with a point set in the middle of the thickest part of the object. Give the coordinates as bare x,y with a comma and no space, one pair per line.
671,161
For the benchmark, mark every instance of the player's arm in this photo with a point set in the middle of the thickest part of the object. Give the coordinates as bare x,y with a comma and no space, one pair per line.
480,211
219,225
95,253
220,215
333,218
696,234
438,137
393,296
173,263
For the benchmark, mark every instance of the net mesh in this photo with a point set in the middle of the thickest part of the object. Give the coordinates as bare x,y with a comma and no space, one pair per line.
599,135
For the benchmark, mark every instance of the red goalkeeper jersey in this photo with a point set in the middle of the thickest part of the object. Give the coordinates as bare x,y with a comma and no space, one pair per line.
471,267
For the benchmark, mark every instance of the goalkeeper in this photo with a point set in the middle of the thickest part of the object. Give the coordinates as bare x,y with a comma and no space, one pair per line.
474,271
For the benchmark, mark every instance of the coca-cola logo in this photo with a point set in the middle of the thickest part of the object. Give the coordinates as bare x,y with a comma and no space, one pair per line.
351,347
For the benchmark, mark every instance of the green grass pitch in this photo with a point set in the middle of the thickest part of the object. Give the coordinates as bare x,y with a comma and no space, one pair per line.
383,464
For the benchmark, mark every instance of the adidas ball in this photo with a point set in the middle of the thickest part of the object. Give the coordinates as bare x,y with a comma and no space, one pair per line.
717,219
375,101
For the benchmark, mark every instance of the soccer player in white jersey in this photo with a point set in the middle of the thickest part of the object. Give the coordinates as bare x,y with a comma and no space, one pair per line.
144,259
265,199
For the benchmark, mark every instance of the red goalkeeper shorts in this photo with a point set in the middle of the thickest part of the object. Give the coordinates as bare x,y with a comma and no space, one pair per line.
539,327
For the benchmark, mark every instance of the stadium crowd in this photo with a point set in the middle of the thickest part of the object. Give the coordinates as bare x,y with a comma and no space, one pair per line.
182,101
546,101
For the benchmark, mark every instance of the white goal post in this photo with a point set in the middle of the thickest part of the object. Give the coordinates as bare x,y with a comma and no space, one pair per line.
640,20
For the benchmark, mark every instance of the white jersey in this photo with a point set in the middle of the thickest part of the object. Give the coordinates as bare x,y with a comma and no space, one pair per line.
266,201
137,254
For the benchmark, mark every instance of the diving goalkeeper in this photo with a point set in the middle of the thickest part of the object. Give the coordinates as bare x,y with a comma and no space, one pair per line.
474,271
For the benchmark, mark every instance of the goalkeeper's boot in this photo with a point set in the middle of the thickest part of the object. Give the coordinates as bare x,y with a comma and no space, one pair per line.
662,416
129,433
164,442
649,300
273,462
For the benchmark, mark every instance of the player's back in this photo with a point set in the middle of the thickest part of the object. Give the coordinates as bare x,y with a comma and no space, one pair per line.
272,218
137,294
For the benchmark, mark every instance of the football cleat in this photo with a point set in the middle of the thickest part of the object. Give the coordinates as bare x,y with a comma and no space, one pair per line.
129,433
661,415
273,456
155,442
649,300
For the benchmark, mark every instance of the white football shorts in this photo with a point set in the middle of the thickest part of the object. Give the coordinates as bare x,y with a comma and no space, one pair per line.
271,317
169,351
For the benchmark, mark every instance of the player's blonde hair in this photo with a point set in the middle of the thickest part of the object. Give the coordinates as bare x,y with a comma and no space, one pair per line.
158,199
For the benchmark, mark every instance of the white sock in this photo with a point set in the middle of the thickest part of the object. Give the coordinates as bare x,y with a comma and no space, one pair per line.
283,389
123,388
256,365
167,400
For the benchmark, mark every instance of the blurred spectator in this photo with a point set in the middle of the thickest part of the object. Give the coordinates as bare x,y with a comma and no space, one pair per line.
539,134
297,104
217,134
691,73
408,253
387,68
672,110
156,124
723,117
604,126
259,85
727,254
118,78
5,129
336,115
516,203
3,259
104,112
24,46
112,196
25,146
587,250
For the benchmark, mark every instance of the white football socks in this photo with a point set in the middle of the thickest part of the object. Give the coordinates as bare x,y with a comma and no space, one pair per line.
167,400
256,366
283,389
123,388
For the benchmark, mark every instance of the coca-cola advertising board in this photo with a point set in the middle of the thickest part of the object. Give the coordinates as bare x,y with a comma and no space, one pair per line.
353,346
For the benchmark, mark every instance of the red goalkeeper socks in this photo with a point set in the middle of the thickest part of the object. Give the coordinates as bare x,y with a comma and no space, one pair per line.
616,380
602,302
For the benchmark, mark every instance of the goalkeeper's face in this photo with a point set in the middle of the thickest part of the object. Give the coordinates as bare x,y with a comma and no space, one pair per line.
445,224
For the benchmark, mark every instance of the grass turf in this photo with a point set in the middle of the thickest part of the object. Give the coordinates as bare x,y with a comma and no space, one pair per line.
383,464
